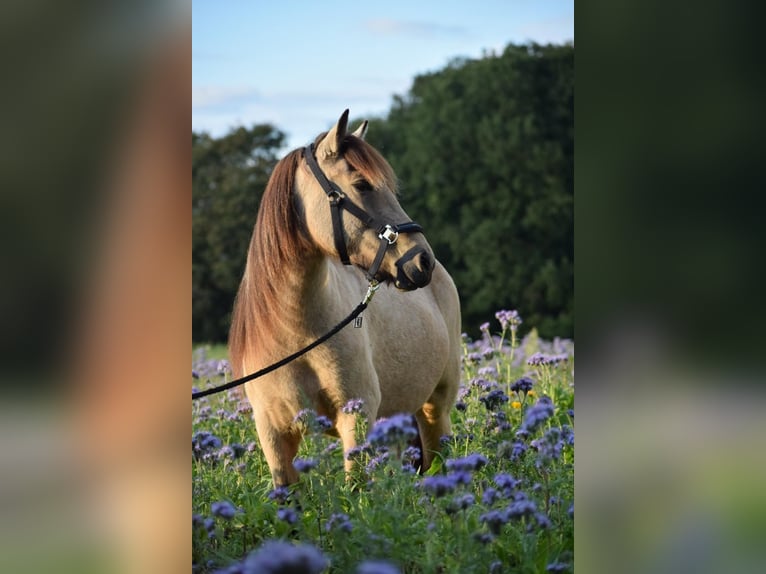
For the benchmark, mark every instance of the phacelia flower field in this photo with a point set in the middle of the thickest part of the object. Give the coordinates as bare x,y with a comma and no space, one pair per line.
499,499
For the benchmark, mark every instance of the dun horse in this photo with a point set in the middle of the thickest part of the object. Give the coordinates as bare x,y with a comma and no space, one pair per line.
331,203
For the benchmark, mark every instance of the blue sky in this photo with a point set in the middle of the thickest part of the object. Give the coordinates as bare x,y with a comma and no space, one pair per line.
298,64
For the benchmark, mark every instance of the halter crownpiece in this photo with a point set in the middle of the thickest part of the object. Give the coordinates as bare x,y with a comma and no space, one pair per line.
387,233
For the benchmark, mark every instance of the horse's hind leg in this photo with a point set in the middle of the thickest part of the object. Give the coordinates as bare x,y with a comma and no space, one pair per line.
433,424
434,421
279,448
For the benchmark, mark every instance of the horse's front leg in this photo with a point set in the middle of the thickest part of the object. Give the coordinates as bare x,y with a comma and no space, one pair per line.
351,431
279,447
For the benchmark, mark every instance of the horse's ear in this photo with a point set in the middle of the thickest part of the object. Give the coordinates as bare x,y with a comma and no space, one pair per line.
330,145
361,131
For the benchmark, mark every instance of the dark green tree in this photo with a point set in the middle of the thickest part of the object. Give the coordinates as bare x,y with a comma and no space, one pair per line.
484,153
229,175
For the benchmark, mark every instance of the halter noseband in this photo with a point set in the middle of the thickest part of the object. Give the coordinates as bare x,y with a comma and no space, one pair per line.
387,233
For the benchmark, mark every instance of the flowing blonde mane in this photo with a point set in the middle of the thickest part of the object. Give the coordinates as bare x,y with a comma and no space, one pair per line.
279,239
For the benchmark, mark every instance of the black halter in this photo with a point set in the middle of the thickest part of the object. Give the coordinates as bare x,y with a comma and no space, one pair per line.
387,233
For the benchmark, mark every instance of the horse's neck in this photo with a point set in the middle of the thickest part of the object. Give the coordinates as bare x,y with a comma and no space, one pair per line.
308,298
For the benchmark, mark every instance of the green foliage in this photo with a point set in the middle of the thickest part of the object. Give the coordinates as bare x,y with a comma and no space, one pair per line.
484,153
229,175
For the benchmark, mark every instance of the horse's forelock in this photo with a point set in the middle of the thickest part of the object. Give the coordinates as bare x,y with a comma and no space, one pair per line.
370,164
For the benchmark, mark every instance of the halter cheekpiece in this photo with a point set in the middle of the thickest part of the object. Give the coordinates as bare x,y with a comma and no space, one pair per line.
387,233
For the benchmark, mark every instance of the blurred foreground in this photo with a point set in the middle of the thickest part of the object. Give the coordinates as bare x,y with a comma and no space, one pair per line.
94,211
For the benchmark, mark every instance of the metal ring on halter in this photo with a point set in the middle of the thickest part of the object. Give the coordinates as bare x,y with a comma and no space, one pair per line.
389,234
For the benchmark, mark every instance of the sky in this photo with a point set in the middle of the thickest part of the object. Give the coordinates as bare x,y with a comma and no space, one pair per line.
298,64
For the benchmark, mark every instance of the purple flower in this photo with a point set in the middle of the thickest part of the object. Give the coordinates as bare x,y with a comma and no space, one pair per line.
377,461
488,371
557,567
489,496
376,567
461,502
484,328
473,461
312,421
483,537
482,384
204,413
332,447
393,430
357,451
353,406
278,557
472,358
304,416
232,451
520,508
542,520
225,452
460,477
550,445
281,494
244,408
338,521
498,422
506,483
495,520
209,525
288,515
541,359
538,414
518,449
494,399
223,367
508,319
305,464
524,384
439,485
205,441
322,423
223,509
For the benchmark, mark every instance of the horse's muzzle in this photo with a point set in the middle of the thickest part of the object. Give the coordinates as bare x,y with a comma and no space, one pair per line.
414,269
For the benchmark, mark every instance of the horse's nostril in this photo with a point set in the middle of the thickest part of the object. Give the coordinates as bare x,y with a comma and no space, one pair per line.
426,264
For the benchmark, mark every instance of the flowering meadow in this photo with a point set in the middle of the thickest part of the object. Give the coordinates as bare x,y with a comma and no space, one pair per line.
499,499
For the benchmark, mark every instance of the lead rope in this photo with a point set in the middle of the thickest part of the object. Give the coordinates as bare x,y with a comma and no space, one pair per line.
371,289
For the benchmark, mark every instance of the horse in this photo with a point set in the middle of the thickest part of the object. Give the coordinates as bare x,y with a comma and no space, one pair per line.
318,243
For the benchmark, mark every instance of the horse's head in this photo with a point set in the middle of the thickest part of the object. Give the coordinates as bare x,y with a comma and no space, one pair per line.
347,199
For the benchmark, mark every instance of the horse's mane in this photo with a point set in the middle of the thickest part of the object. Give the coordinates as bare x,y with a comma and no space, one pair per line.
278,239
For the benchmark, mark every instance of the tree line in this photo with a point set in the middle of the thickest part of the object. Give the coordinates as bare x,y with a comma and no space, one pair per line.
484,154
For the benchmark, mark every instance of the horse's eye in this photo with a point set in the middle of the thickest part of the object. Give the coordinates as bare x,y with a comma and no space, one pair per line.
363,185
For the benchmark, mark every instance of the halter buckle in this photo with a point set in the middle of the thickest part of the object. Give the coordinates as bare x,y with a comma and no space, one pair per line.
389,234
335,195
